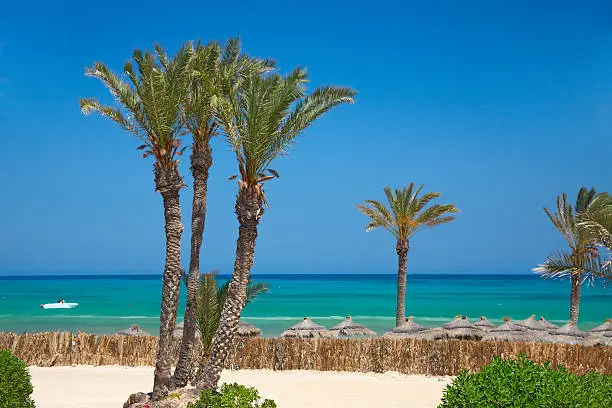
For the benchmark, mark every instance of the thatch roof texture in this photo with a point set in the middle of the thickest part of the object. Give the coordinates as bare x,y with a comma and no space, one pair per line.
461,328
409,326
484,324
510,331
568,334
349,328
605,327
306,329
546,324
134,330
531,323
248,330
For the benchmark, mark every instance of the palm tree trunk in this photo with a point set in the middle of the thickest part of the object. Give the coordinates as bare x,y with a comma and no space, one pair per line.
201,161
168,182
575,298
401,248
249,210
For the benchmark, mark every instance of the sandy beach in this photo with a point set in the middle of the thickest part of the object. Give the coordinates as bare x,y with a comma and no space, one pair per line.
109,386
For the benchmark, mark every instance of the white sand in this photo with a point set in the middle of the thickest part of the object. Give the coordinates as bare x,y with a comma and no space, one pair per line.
109,387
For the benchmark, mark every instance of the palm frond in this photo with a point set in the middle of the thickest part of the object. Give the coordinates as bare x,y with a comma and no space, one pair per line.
150,105
407,211
263,112
564,264
255,289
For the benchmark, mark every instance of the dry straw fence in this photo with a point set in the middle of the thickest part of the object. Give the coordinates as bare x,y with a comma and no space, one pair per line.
410,356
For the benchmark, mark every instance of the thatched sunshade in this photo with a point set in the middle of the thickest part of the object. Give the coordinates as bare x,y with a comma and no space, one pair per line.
248,330
510,331
306,329
133,331
568,334
349,328
546,324
531,323
461,328
410,329
484,324
602,328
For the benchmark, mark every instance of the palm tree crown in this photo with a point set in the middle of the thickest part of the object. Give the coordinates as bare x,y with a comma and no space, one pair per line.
149,105
583,255
266,114
579,226
407,213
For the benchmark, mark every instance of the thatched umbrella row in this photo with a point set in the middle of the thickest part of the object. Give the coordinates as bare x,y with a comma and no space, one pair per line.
460,327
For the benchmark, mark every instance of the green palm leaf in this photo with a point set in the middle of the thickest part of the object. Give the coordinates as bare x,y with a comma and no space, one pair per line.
407,212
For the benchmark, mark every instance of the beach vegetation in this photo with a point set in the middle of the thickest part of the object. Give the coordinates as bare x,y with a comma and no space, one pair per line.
261,118
148,100
597,220
15,384
230,396
211,297
408,213
520,383
214,70
582,260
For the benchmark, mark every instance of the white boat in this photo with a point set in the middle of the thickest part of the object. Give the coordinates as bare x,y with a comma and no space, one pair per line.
58,305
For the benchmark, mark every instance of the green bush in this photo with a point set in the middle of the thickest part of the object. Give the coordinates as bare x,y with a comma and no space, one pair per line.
509,383
231,396
15,385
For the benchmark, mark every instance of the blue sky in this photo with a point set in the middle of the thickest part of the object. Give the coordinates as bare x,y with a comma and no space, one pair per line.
499,107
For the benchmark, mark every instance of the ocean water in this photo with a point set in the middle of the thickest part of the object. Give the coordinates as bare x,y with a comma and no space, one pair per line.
111,303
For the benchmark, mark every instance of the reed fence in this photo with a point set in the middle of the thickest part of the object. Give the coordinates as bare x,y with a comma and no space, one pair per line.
409,356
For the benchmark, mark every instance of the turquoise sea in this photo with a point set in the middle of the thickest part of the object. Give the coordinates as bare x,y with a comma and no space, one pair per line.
110,303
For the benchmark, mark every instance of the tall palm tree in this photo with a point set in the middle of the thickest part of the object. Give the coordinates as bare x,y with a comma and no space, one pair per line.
261,120
211,66
581,261
149,107
406,215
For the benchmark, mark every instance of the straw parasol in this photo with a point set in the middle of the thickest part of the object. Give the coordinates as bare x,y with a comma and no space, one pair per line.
568,334
602,328
484,324
349,328
510,331
546,324
410,329
133,331
248,330
306,329
531,324
461,328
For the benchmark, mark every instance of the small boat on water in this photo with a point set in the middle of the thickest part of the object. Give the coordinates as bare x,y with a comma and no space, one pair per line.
58,305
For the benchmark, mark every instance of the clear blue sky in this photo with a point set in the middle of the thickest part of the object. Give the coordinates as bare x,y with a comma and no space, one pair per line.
499,107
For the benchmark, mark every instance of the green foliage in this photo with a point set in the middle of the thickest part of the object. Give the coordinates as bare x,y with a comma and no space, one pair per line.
232,396
521,383
582,258
264,113
15,385
149,104
211,298
407,213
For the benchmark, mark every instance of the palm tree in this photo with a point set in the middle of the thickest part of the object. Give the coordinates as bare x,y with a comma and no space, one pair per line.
210,67
149,107
211,298
406,215
581,261
260,120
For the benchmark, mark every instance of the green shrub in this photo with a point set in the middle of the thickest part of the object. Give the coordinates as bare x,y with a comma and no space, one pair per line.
15,385
509,383
231,396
